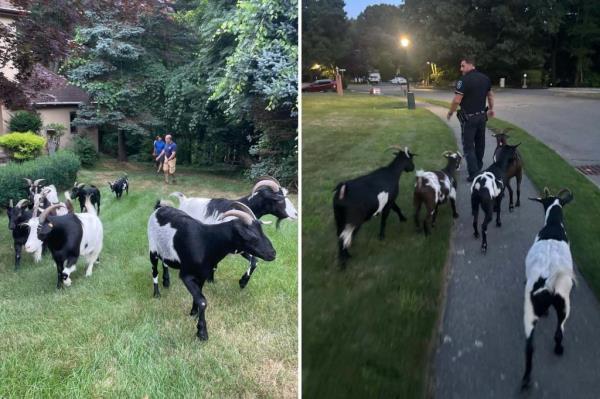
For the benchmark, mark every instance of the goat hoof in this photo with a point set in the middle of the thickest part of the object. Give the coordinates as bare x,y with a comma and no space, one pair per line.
484,249
559,350
511,208
476,235
498,224
166,283
381,237
403,219
455,216
525,383
202,335
518,204
194,312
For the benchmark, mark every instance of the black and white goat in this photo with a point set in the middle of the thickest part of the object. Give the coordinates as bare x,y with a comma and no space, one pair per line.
18,216
67,237
44,199
268,197
119,185
80,192
515,169
356,201
487,191
434,188
195,248
549,271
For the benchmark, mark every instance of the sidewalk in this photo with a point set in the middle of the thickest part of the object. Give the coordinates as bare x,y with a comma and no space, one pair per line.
480,350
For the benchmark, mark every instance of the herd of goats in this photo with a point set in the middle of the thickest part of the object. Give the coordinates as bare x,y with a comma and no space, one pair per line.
549,265
193,238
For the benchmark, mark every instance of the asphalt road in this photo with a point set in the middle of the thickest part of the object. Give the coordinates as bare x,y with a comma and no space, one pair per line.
569,125
480,353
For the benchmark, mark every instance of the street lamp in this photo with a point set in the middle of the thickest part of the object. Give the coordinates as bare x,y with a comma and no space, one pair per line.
524,81
404,41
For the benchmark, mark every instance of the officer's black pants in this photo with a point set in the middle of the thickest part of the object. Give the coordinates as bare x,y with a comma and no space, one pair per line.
473,139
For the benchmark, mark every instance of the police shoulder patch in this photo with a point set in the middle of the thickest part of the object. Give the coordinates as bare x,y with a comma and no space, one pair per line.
459,84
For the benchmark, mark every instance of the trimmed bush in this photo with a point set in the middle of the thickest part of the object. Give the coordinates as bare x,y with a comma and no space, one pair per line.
23,146
24,121
59,169
85,150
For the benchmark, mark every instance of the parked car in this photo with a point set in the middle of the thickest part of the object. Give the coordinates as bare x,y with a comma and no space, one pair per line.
320,85
399,80
374,77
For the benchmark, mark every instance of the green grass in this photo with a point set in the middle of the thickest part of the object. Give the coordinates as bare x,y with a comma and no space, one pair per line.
546,168
367,331
106,336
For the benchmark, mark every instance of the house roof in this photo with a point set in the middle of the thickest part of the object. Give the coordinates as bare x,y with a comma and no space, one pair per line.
47,88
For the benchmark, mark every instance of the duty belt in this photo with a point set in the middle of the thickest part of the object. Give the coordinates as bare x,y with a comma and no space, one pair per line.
476,113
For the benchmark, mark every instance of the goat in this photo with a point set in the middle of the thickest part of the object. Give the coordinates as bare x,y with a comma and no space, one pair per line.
268,197
18,216
356,201
119,185
45,198
68,237
487,191
515,169
80,192
195,248
434,188
549,271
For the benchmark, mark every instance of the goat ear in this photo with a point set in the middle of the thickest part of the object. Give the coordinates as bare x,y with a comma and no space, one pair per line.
494,135
565,196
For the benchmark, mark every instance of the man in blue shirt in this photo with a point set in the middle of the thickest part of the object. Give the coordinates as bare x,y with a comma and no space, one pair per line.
159,145
170,154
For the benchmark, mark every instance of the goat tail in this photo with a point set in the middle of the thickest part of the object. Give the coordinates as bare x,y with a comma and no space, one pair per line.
561,281
179,195
89,208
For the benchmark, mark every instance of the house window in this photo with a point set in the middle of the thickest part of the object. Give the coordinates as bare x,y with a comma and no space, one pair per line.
73,115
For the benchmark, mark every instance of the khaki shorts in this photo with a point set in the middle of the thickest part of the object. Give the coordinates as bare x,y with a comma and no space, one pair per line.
169,166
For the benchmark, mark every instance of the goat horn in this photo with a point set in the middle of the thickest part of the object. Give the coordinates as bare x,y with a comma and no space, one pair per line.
48,210
37,182
21,203
80,185
245,217
10,203
546,192
446,153
243,208
266,183
28,181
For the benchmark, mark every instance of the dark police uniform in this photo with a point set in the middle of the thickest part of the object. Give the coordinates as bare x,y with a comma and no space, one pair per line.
474,87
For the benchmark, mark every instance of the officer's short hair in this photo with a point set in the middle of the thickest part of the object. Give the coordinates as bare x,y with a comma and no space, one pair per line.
468,60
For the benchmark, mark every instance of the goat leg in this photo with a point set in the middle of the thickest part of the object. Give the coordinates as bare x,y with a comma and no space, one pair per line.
561,314
154,261
396,209
453,205
497,205
528,356
519,178
511,207
384,215
166,277
246,276
18,248
194,286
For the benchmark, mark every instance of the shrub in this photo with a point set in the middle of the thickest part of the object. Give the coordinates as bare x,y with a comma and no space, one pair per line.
24,121
23,146
59,169
85,150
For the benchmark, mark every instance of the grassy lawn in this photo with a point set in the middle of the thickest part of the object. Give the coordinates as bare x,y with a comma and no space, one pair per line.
105,336
546,168
367,331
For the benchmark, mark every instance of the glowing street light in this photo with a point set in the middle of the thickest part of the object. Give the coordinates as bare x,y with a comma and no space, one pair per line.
404,42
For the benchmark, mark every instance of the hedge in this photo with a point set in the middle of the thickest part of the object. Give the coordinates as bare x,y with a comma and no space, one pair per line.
59,169
23,146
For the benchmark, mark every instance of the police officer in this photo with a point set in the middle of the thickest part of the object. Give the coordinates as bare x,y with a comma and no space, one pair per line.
471,91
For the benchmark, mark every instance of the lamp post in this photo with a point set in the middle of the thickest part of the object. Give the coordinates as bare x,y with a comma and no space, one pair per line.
524,81
410,96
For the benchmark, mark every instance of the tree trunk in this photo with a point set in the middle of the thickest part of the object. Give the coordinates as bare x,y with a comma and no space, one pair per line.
122,151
